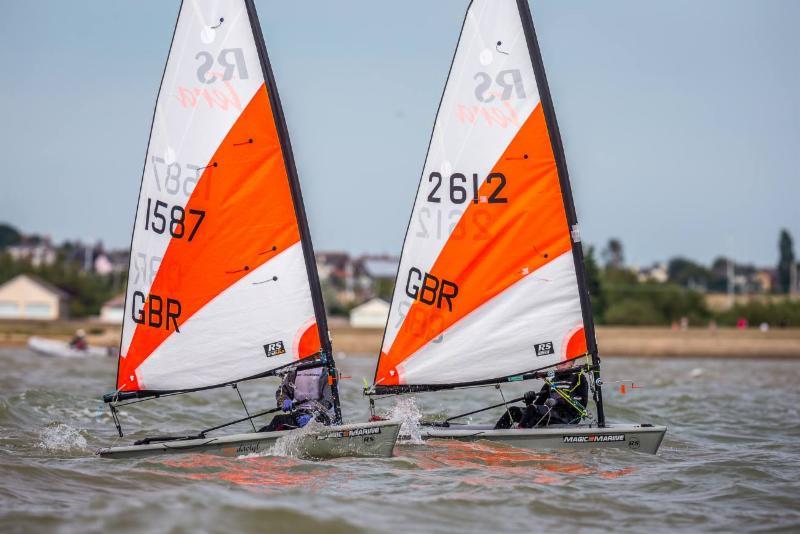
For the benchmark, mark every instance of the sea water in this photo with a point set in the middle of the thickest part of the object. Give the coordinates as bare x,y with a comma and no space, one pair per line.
730,460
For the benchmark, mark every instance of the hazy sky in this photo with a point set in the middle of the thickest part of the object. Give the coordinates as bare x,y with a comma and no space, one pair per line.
680,118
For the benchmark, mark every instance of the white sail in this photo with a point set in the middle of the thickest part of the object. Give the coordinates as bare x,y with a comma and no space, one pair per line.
487,286
218,288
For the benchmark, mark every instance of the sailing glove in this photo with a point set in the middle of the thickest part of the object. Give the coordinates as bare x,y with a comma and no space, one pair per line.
302,420
287,405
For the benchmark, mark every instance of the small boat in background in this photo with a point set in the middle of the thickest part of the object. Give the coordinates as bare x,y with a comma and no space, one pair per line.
63,349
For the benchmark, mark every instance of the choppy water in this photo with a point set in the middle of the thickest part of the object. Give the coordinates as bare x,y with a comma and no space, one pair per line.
730,461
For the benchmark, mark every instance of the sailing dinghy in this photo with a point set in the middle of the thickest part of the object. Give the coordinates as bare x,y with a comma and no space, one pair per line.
222,285
62,349
491,287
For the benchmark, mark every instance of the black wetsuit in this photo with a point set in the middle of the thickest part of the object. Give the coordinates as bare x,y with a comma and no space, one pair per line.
548,407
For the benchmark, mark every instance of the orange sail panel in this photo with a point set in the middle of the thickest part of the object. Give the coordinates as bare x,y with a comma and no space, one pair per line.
218,289
487,286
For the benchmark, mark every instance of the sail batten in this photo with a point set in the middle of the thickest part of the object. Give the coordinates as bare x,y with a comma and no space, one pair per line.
489,282
219,286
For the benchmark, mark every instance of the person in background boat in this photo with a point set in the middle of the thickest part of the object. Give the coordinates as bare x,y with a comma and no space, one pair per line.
78,341
304,395
554,405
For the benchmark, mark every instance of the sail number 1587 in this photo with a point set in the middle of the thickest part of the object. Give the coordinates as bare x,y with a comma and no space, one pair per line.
161,217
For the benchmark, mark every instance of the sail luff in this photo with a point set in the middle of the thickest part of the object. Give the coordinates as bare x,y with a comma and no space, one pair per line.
566,193
144,170
299,206
422,174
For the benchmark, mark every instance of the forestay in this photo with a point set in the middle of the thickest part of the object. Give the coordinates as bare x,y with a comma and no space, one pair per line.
222,283
488,285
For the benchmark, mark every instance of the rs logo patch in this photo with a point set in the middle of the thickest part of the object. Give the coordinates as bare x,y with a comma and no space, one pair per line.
544,349
274,349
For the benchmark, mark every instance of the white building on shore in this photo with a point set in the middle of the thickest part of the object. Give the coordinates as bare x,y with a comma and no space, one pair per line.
28,297
113,311
371,314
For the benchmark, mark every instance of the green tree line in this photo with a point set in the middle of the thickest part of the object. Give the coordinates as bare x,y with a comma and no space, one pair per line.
619,298
88,291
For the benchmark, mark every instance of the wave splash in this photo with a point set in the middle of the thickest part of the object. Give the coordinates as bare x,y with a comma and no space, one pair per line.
408,413
60,437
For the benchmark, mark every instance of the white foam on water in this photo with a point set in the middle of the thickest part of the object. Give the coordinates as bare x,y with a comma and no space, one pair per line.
290,444
408,413
696,372
59,437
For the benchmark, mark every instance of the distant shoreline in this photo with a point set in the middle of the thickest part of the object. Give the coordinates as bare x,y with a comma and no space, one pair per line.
613,341
629,341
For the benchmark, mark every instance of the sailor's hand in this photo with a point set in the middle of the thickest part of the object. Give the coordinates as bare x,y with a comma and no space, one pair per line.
287,405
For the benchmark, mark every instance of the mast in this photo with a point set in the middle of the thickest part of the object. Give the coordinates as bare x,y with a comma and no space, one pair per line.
297,198
569,204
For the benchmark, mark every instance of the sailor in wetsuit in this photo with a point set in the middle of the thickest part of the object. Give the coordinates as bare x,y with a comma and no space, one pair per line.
304,395
550,406
78,342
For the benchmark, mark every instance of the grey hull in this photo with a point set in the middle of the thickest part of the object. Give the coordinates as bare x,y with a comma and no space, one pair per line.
375,439
618,436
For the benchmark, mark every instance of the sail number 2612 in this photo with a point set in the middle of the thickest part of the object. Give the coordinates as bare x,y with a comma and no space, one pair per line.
161,217
461,189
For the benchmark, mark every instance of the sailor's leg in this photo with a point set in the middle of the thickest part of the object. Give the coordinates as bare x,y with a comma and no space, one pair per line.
534,416
511,416
280,422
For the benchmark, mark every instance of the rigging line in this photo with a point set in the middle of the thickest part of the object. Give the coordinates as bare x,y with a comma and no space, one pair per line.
510,418
547,414
229,423
566,397
152,398
249,417
512,401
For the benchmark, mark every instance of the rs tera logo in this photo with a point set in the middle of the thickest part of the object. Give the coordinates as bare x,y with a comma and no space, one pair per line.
544,349
274,349
230,60
508,81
